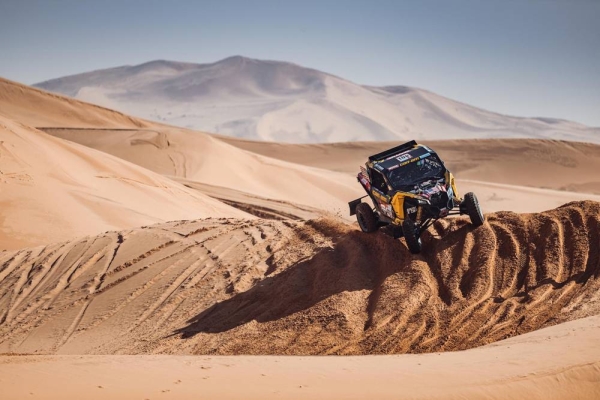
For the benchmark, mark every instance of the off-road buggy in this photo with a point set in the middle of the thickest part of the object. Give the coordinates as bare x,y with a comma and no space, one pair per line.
410,188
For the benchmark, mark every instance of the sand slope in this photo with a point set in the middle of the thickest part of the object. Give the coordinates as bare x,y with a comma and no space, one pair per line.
52,190
251,176
521,175
195,158
38,108
551,164
199,157
175,152
284,102
320,287
560,362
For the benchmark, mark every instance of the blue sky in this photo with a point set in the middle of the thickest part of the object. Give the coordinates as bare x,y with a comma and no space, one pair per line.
528,58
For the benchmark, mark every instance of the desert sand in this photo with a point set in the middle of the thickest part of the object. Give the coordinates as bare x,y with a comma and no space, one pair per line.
176,261
551,164
201,158
175,152
321,176
54,190
231,286
324,176
38,108
104,297
560,362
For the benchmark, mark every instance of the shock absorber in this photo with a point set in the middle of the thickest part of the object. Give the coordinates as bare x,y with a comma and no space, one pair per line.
419,213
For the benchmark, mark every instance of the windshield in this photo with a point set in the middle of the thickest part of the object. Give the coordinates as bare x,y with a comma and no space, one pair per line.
404,178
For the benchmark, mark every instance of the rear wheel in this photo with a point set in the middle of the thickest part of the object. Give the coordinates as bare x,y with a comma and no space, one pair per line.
411,235
367,220
472,208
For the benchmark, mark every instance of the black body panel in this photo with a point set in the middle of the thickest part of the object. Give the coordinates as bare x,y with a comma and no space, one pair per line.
388,153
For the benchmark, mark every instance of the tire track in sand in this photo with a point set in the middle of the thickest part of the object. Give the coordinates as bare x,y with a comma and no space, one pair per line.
225,286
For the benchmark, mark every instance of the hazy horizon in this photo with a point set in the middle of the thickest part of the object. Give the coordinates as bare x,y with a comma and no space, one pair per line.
534,59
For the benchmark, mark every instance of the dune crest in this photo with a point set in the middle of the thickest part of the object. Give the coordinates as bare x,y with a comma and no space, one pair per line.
38,108
52,190
285,102
228,286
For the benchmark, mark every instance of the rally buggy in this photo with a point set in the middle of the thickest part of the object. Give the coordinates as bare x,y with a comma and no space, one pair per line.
410,188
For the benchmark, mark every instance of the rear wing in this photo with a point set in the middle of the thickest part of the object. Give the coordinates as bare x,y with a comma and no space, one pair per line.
395,150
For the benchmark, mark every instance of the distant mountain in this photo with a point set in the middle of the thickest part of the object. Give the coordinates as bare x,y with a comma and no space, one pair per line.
280,101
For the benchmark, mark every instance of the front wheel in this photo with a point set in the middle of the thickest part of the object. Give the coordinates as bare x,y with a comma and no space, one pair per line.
472,208
411,235
367,220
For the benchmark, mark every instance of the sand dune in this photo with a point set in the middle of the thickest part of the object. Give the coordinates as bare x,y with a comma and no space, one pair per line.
560,362
255,287
493,169
567,166
284,102
230,283
201,158
193,157
39,108
521,199
368,296
520,175
53,190
220,166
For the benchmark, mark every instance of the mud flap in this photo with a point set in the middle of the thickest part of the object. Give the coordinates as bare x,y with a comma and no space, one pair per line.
353,204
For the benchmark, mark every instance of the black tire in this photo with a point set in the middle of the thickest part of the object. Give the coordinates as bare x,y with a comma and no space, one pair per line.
411,235
367,220
472,208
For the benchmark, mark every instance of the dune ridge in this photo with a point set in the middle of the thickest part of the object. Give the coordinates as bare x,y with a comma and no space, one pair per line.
324,176
230,286
284,102
201,158
39,108
52,190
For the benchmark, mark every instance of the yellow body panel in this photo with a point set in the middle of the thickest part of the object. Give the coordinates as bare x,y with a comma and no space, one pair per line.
450,179
398,205
380,196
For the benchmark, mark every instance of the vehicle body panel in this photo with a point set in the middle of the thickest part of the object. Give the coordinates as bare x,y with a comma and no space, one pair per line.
433,198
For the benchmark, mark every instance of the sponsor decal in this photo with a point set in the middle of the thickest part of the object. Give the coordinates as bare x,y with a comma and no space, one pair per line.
410,161
387,209
364,181
411,210
404,157
379,167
